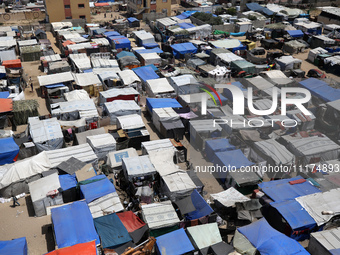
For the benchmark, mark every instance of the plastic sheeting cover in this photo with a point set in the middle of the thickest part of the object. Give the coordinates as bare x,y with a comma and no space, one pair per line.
202,208
73,224
8,150
16,246
229,197
114,158
176,242
138,166
205,235
97,189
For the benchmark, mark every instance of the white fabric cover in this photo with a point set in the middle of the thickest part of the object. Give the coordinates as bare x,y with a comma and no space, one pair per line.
178,185
44,130
120,108
159,215
158,86
107,204
128,77
229,197
162,160
114,158
137,167
132,121
77,95
102,144
163,114
205,235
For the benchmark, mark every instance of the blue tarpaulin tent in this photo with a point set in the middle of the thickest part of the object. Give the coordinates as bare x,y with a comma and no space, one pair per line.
217,145
269,241
97,187
185,25
282,190
183,48
335,252
73,224
175,243
121,43
297,218
146,72
321,89
111,33
295,33
153,50
161,103
185,15
67,181
150,45
202,207
234,158
259,8
57,85
8,150
125,54
4,94
111,231
14,247
227,93
132,19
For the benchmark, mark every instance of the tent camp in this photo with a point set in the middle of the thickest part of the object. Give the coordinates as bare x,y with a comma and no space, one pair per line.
325,242
111,231
102,144
120,108
15,246
46,134
73,224
115,158
159,215
287,189
313,149
40,196
159,88
294,47
8,150
176,242
138,167
262,237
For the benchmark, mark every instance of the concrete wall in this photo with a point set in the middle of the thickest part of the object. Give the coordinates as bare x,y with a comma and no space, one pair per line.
326,20
153,16
56,11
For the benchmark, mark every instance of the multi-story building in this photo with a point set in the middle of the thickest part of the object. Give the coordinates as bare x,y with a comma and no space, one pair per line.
58,10
138,7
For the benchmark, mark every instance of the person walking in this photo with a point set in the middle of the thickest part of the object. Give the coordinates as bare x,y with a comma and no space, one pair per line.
32,86
105,15
15,202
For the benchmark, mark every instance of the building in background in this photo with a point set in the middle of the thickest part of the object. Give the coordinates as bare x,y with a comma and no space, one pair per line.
138,7
58,10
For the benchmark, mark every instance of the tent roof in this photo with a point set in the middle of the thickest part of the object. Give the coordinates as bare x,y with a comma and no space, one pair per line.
15,246
160,85
111,231
267,240
138,166
202,208
131,121
146,72
330,201
55,78
97,187
321,89
183,48
121,105
205,235
67,181
73,224
8,150
328,239
229,197
86,79
294,214
39,188
176,242
227,43
282,190
131,221
128,77
44,130
118,92
162,103
114,158
234,158
178,182
159,215
6,105
276,151
77,249
295,33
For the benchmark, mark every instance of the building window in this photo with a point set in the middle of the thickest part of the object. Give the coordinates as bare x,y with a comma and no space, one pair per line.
81,5
69,17
67,6
82,17
164,1
153,2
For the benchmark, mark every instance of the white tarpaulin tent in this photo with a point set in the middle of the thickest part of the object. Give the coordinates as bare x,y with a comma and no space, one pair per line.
120,108
177,185
159,88
163,161
312,55
163,114
277,77
205,235
313,149
82,136
315,203
115,158
40,188
159,215
229,197
107,204
55,78
111,94
80,61
182,80
324,242
46,134
151,59
129,77
227,58
77,95
305,122
128,122
139,166
86,79
274,153
86,108
102,144
156,145
81,152
24,169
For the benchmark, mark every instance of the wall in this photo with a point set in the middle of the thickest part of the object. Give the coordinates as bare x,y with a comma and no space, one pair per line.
326,20
55,10
163,4
153,16
77,12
